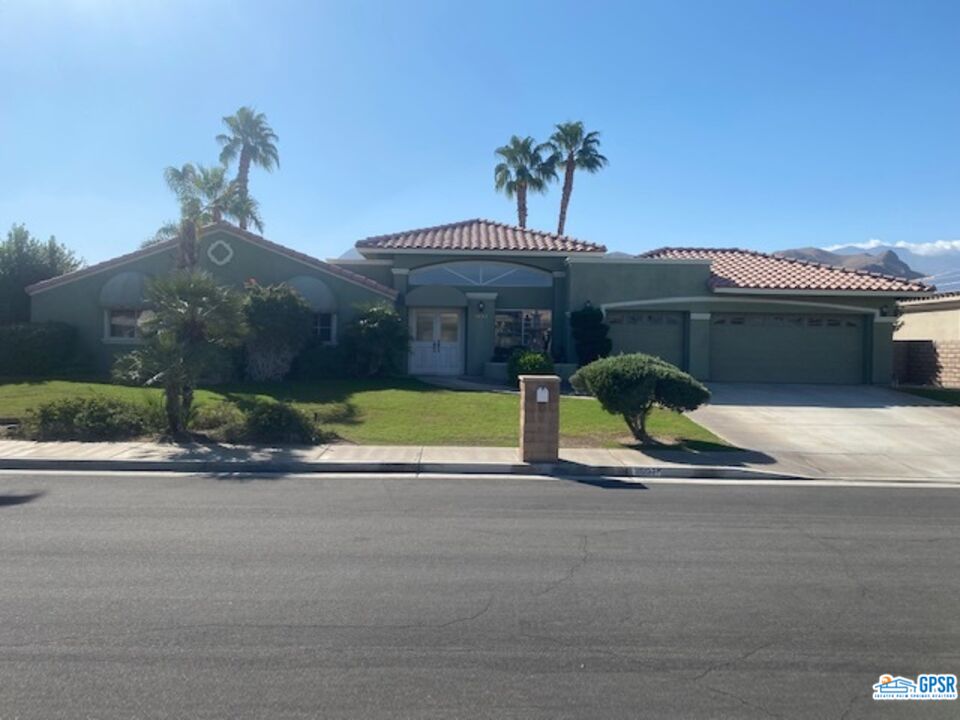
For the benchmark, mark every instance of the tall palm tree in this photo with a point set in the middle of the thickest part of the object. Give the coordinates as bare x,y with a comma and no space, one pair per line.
250,141
205,196
522,169
576,149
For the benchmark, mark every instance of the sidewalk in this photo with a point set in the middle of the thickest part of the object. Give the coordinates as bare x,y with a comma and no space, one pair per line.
339,458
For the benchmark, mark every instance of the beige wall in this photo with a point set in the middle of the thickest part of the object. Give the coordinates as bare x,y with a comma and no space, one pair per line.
929,322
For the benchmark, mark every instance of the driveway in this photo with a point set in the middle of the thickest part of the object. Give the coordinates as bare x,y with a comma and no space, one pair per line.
838,431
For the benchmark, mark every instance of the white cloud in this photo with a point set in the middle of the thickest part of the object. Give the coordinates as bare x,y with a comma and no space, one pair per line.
938,247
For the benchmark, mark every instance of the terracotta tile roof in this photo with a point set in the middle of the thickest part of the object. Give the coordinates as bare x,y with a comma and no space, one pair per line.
751,270
253,238
479,235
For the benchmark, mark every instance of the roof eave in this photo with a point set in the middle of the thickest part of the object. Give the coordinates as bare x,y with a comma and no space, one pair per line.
726,290
335,271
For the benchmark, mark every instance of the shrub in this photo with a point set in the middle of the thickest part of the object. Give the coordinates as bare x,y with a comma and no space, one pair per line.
376,342
224,417
270,421
589,334
630,385
40,349
90,418
319,361
279,325
528,362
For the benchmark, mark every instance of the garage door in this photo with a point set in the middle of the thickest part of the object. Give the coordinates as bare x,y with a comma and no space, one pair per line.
653,333
762,347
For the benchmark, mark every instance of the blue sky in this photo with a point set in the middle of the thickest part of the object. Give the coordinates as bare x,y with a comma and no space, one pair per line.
767,124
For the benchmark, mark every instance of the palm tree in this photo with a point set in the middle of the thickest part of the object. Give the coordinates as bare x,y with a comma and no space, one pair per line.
522,169
251,141
245,210
192,319
577,149
205,197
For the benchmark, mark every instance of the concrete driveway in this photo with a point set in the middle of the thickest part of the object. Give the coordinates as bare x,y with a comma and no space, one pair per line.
838,431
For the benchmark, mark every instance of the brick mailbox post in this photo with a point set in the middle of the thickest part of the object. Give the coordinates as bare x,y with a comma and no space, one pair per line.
539,418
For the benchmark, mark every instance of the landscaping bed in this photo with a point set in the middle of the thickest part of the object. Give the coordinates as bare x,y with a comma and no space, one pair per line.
398,411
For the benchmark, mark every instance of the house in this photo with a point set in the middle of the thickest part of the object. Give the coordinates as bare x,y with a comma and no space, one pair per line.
474,290
927,341
895,685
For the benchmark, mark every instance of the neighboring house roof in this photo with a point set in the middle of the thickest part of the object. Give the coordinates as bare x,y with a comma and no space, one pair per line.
937,298
479,235
737,269
254,239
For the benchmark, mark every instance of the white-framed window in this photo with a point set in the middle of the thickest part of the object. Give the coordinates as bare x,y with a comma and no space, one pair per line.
325,327
122,325
528,328
481,273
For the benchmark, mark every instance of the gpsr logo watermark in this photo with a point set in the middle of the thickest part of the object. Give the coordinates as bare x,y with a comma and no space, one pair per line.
925,687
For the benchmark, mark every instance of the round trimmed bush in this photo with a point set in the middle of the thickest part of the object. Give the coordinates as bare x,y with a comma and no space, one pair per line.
269,421
528,362
630,386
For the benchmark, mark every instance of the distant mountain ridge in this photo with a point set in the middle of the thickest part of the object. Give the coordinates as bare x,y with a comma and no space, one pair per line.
939,266
885,262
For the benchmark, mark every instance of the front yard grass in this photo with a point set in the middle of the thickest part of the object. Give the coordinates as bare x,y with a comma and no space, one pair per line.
399,411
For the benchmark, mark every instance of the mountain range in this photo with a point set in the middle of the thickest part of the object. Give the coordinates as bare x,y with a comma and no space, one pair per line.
940,268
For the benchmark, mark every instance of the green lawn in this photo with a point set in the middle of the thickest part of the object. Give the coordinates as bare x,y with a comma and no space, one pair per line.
944,395
396,412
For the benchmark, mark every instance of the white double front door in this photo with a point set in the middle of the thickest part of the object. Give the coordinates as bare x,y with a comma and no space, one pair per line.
437,339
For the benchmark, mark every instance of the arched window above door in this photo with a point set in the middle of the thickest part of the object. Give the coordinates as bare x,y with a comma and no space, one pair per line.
481,273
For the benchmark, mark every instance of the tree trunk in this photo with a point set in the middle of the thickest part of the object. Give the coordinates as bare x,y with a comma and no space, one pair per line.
185,406
567,191
243,179
187,249
638,427
173,409
522,205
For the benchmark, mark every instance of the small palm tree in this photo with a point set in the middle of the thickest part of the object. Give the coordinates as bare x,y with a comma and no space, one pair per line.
192,318
576,149
523,169
250,141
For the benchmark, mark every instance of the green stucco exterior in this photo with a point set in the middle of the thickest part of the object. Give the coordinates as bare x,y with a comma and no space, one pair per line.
661,306
78,302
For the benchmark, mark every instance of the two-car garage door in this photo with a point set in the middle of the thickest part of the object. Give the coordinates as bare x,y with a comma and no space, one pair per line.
762,347
753,347
653,333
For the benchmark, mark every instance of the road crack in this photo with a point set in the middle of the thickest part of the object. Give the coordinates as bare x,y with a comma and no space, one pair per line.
572,570
733,661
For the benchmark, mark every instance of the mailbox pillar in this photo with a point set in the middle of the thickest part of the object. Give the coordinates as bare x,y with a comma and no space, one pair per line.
539,418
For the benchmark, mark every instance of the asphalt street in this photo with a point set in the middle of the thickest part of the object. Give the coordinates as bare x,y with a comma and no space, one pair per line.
359,597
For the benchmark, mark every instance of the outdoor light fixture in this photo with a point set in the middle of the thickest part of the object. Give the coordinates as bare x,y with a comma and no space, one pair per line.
884,311
480,306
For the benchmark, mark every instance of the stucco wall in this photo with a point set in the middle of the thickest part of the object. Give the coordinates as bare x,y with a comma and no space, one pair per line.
78,302
920,321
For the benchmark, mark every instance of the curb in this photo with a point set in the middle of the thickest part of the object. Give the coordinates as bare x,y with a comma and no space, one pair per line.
561,469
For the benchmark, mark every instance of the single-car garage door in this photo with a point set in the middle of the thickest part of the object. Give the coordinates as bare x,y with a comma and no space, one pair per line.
653,333
762,347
